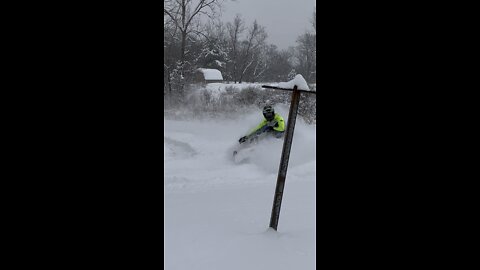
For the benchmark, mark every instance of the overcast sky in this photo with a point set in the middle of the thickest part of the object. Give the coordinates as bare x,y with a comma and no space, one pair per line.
284,20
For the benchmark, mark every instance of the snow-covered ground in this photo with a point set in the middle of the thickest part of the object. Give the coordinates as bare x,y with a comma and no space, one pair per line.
217,212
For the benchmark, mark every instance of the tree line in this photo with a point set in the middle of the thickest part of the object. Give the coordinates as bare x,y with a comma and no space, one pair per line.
195,37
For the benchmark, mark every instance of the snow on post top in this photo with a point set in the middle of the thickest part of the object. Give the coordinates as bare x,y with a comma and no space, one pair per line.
211,74
298,80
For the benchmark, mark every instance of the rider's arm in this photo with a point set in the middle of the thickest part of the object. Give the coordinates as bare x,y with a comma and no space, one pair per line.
263,123
281,124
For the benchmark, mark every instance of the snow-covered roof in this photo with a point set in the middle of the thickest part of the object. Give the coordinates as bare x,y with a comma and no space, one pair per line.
298,80
211,74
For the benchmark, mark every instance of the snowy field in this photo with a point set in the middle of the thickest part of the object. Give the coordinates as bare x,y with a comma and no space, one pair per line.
217,212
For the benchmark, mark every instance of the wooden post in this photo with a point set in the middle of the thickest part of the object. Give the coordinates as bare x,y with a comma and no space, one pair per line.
282,170
287,144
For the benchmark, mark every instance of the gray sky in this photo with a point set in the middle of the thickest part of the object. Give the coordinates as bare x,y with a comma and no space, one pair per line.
284,20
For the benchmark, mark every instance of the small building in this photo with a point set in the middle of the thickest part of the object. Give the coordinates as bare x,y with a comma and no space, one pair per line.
207,75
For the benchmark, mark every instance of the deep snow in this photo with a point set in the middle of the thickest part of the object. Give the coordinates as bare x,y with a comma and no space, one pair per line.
299,81
217,212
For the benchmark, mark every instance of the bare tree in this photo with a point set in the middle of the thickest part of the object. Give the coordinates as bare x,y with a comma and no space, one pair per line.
306,52
261,63
278,64
235,29
256,37
183,14
314,20
214,46
170,52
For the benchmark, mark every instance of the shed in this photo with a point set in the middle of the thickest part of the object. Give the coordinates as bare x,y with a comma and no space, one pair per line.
208,75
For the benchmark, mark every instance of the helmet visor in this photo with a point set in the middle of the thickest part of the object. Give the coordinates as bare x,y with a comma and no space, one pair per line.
269,115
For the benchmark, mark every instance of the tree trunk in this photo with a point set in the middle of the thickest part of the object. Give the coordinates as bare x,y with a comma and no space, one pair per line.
169,82
183,45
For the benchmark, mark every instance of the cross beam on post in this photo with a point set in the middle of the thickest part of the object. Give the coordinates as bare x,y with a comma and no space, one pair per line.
287,144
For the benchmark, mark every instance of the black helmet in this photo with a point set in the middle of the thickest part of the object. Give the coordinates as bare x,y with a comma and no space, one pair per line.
268,113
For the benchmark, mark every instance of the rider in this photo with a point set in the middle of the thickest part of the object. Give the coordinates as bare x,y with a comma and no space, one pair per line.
273,124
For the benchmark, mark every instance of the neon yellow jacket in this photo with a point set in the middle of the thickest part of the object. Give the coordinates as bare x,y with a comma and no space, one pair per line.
277,118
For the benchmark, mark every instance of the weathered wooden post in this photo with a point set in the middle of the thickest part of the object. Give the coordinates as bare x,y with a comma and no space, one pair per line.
287,144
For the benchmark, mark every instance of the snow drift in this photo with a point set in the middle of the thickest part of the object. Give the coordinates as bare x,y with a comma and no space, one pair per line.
217,212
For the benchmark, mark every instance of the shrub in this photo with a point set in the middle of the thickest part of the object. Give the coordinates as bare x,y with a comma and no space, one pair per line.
200,103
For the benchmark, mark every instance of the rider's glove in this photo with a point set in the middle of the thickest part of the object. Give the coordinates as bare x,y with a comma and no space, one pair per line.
242,139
